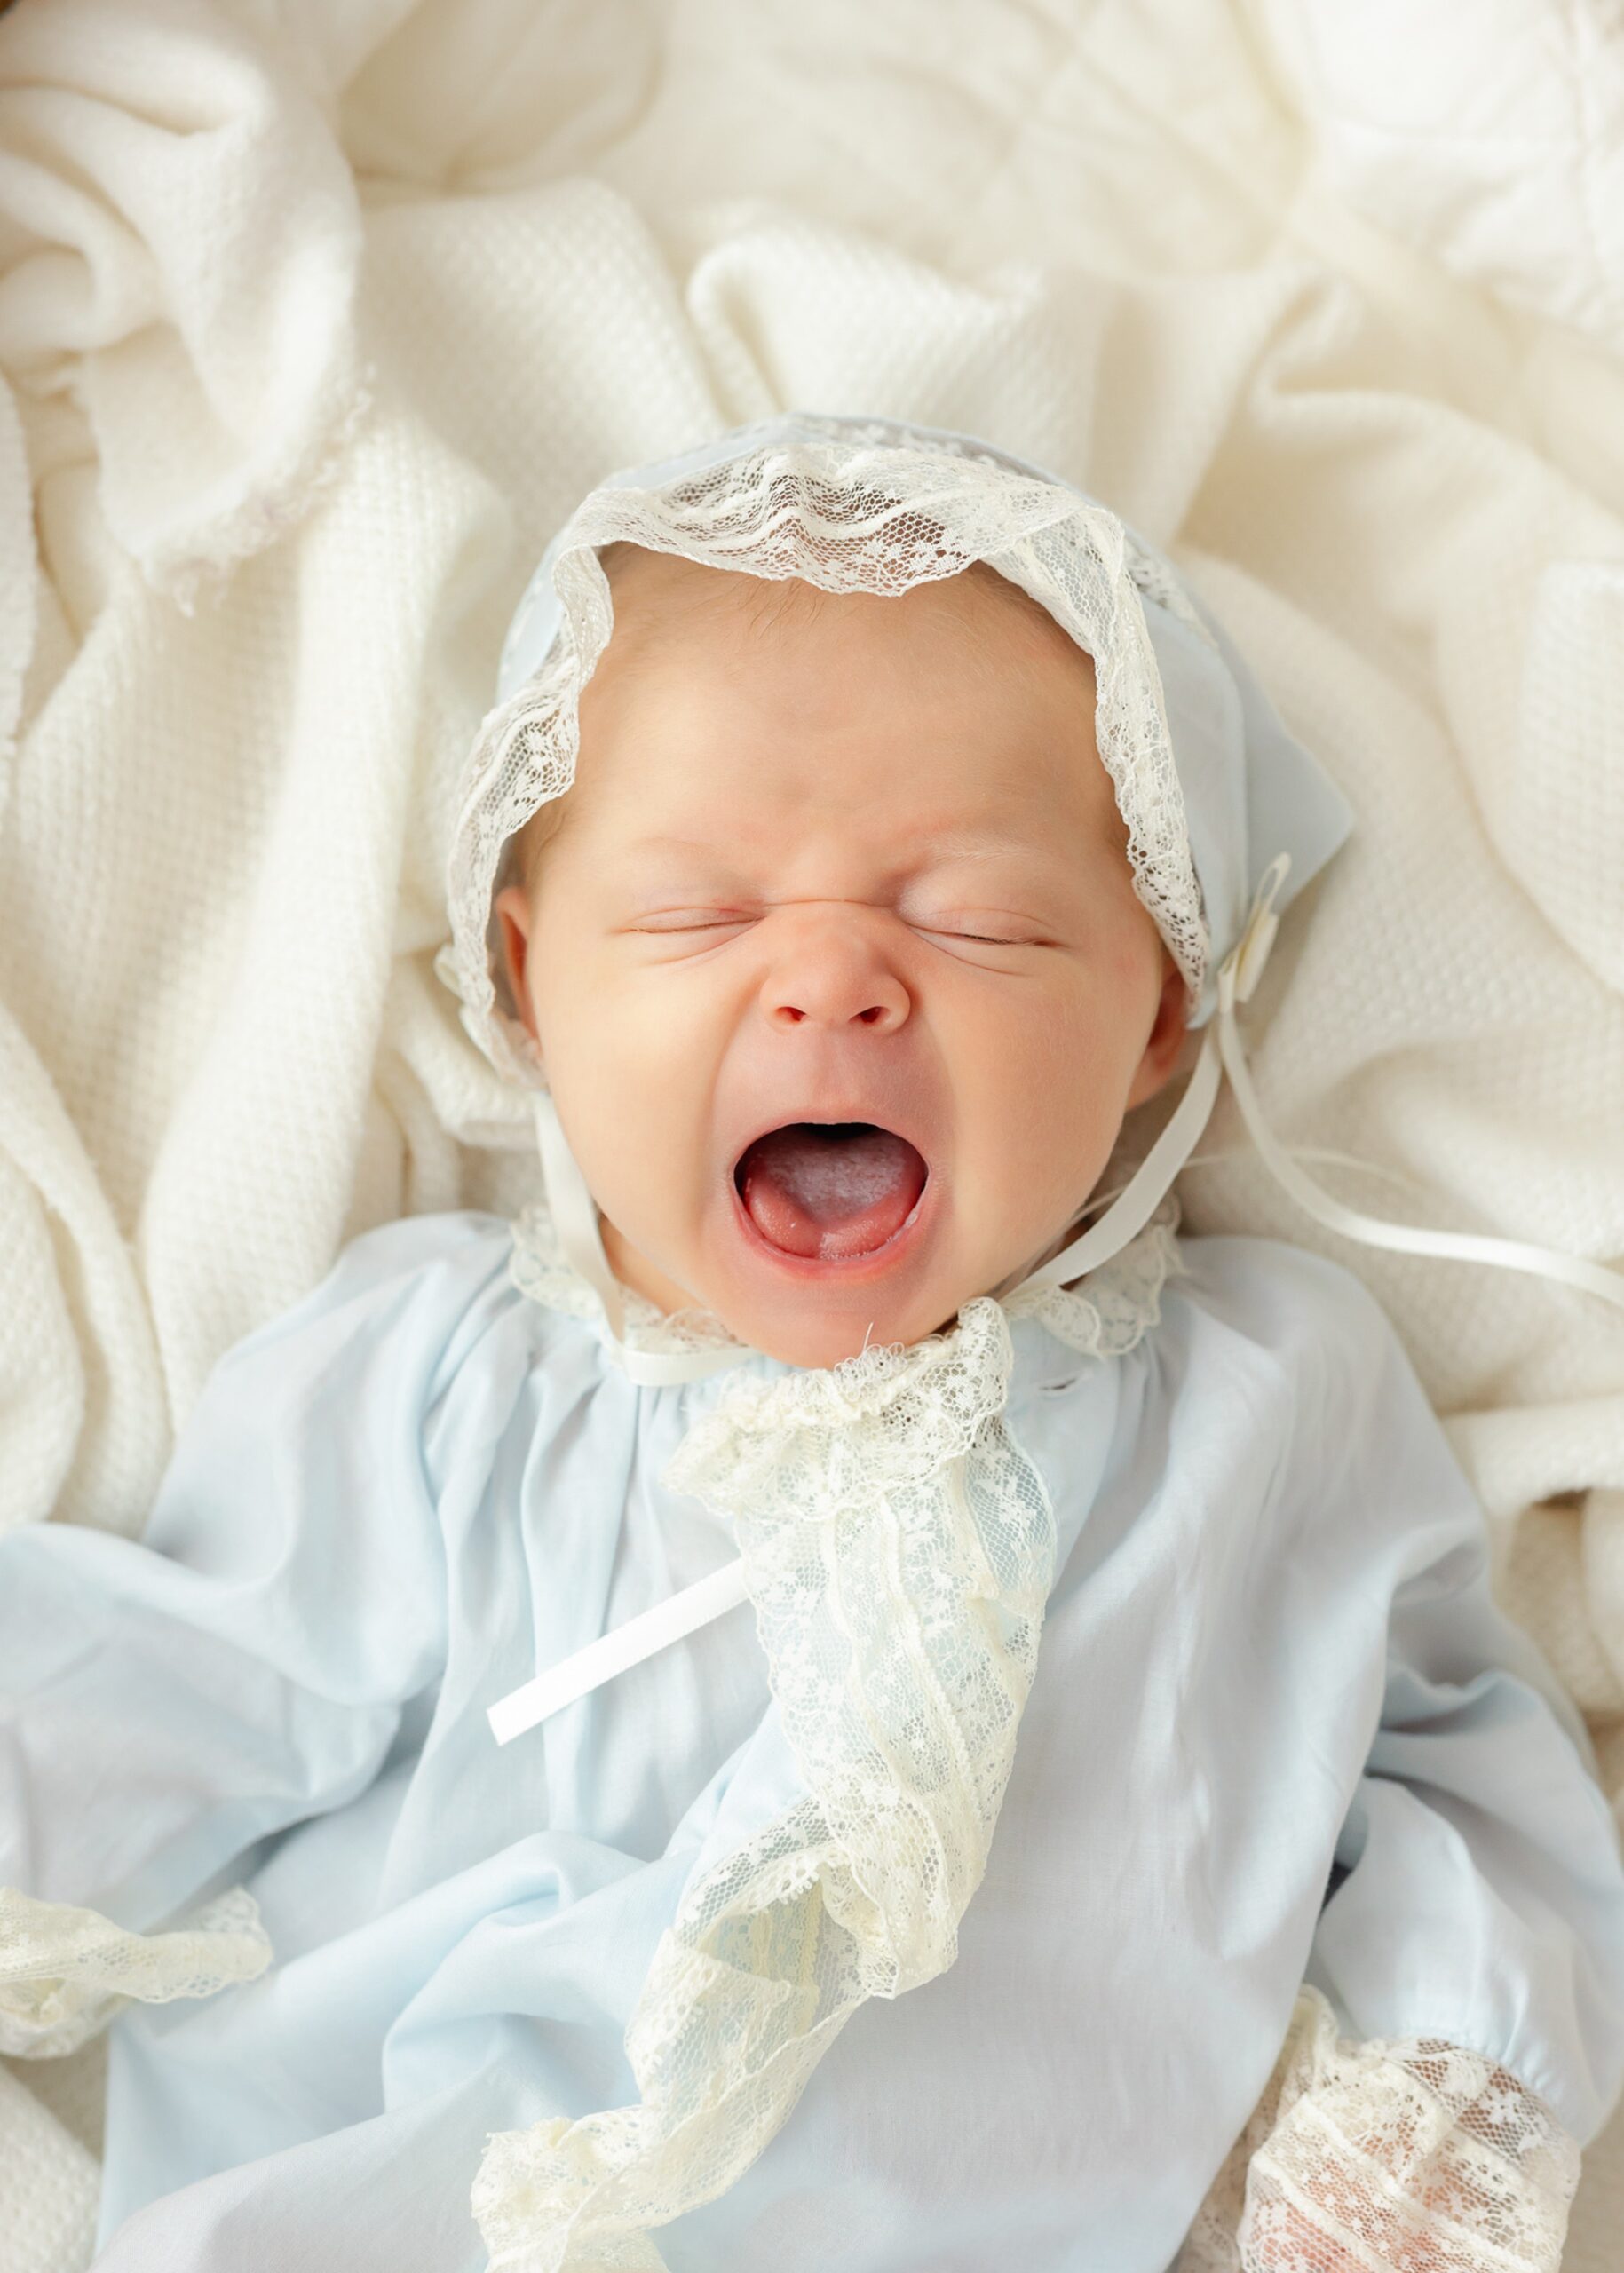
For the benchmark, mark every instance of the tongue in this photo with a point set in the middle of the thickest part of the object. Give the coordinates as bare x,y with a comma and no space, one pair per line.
830,1189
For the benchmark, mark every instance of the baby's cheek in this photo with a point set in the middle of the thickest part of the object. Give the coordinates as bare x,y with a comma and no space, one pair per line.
646,1077
1020,1098
610,1022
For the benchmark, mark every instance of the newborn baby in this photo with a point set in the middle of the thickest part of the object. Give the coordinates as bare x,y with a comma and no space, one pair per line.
867,820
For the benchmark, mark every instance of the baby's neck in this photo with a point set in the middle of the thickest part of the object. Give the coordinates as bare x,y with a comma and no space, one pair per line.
633,1269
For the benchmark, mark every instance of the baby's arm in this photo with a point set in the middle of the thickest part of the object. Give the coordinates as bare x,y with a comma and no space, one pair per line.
1461,2031
167,1705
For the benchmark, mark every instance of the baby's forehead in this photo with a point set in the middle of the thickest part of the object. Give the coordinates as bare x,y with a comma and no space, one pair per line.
929,718
653,591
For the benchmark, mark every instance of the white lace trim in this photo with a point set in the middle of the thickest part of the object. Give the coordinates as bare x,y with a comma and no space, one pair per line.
1105,1313
1408,2153
65,1973
898,1546
1102,1316
900,1549
870,508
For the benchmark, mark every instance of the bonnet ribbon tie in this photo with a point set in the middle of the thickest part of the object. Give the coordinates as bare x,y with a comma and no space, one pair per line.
1222,1053
576,1216
1236,981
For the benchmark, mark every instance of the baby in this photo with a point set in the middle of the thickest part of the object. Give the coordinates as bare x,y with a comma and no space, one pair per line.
868,820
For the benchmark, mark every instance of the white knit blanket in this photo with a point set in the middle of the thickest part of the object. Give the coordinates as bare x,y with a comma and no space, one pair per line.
315,315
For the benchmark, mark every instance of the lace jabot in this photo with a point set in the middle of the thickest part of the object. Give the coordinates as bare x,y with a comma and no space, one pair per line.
899,1548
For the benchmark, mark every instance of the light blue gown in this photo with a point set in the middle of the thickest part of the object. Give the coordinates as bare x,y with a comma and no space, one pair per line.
1271,1664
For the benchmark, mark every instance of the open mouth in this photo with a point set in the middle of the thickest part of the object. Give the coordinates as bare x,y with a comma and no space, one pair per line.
829,1189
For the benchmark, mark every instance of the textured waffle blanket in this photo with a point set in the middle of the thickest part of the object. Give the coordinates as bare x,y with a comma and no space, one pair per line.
316,315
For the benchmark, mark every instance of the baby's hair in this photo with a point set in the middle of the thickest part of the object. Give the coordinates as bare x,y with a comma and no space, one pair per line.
768,606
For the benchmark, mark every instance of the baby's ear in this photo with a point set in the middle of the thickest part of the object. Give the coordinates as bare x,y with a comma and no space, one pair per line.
1167,1035
512,908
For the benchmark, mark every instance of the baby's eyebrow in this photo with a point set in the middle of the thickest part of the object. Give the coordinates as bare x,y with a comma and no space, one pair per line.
662,843
942,843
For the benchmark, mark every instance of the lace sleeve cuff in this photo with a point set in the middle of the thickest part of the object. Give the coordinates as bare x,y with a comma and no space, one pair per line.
64,1973
1410,2154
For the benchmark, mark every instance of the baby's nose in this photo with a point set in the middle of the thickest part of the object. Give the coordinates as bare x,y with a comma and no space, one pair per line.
833,974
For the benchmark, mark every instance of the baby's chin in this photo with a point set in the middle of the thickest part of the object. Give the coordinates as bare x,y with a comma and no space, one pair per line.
813,1288
808,1340
817,1310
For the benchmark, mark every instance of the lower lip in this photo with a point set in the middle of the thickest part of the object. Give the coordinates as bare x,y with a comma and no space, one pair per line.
850,1269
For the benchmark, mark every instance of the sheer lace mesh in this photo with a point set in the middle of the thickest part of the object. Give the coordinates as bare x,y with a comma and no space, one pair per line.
64,1973
1115,1305
1405,2153
899,1548
850,508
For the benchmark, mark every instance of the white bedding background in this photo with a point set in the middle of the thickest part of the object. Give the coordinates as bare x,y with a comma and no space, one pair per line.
316,314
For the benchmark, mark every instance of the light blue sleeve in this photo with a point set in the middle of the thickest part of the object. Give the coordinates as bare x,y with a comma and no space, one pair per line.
166,1703
1478,1887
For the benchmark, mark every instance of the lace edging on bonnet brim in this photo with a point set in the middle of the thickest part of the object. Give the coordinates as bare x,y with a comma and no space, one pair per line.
848,509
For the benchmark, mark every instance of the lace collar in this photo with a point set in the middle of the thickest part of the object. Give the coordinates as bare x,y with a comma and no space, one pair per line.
1103,1316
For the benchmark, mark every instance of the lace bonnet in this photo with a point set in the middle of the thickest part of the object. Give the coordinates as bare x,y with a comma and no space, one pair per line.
1209,782
1221,806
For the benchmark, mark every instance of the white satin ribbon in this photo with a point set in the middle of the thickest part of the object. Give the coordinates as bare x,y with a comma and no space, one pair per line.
1403,1239
575,1214
679,1615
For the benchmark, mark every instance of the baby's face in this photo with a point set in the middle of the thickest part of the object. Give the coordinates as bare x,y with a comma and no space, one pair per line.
849,861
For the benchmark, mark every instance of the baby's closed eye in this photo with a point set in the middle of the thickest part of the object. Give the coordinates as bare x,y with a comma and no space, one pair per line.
974,930
692,919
